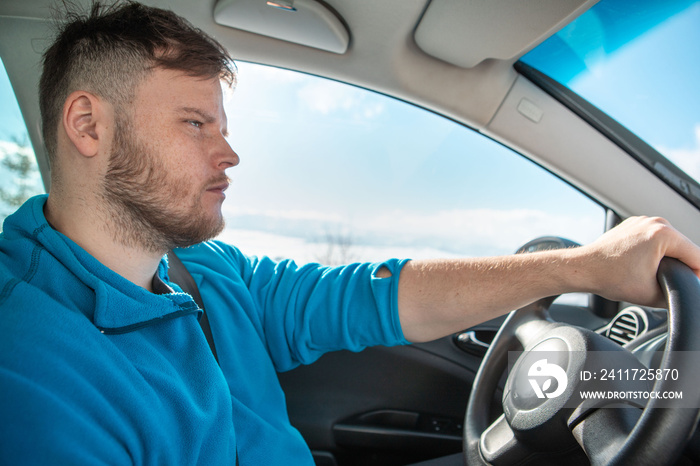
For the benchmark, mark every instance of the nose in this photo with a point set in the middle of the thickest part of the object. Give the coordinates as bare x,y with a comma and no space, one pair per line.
227,157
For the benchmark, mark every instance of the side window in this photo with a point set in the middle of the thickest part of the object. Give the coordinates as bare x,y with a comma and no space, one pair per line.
19,173
331,173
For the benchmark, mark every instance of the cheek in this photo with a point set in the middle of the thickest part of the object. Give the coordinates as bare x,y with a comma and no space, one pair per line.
185,182
168,156
180,155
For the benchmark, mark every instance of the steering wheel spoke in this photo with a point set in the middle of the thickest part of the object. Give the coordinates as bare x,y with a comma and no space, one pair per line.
527,323
499,446
604,431
532,327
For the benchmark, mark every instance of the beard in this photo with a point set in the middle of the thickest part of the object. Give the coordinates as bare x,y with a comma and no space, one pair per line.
149,207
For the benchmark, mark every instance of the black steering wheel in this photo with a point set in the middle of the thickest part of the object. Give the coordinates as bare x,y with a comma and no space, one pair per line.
549,430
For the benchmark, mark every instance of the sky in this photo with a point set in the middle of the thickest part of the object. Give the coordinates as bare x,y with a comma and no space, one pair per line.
324,164
319,157
651,86
11,123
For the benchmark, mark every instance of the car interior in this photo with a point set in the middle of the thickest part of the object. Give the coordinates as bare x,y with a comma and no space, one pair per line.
471,64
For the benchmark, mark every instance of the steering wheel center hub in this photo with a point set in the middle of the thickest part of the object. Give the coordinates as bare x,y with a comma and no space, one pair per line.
540,375
539,386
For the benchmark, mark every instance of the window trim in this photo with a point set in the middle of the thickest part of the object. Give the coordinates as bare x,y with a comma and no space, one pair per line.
629,142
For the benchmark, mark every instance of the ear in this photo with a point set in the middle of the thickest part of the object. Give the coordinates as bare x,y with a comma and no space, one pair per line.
83,113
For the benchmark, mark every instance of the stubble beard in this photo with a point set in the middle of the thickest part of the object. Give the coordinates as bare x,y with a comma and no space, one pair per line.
147,207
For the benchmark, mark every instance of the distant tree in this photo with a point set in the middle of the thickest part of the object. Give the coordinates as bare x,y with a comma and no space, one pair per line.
18,175
337,249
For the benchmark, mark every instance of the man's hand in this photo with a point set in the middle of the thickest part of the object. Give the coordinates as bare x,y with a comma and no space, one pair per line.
440,297
623,262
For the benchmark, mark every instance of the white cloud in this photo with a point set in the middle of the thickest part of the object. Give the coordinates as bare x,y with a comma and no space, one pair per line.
257,243
255,73
688,159
450,233
232,210
264,92
486,231
328,97
325,97
9,147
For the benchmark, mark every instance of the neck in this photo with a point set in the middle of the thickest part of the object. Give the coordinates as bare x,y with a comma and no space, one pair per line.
87,225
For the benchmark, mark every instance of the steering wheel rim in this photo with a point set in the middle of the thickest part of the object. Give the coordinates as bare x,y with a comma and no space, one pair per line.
660,433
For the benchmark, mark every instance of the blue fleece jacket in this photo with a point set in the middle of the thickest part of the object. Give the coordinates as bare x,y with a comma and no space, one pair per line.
96,370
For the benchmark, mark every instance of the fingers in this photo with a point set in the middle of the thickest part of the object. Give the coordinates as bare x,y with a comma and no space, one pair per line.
687,252
672,243
628,258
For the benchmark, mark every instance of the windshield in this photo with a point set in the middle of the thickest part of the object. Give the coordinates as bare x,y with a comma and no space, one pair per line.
639,62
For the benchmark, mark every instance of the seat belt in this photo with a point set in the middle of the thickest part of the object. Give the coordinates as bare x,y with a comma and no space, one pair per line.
179,274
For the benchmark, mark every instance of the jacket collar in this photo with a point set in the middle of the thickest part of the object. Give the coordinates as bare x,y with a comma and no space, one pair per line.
120,305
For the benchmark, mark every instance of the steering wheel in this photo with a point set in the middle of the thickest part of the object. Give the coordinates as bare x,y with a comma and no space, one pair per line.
551,429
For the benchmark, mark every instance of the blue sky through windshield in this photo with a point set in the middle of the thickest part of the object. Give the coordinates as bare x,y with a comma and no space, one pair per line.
640,63
319,156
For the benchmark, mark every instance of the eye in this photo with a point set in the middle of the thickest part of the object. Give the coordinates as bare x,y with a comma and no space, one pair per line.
195,123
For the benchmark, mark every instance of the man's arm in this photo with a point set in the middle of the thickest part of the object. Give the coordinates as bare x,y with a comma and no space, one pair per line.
439,297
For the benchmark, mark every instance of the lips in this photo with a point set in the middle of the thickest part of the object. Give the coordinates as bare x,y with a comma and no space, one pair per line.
219,185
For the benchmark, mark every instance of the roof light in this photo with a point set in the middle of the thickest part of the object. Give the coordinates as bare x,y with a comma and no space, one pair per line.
286,5
313,24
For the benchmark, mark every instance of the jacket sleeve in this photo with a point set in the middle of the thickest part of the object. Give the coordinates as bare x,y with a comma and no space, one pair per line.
306,311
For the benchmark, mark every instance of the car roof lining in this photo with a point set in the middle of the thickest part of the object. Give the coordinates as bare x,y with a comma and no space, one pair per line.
467,32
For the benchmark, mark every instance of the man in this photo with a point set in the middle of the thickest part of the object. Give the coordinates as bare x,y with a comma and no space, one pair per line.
102,358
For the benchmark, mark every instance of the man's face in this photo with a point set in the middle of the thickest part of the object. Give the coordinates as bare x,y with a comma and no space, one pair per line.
165,182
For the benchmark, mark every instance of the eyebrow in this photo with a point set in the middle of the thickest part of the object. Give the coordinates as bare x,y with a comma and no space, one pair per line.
206,117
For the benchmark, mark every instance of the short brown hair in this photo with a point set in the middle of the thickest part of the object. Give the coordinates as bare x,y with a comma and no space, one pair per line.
108,50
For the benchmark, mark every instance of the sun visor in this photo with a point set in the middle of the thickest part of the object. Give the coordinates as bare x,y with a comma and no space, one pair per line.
467,32
304,22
